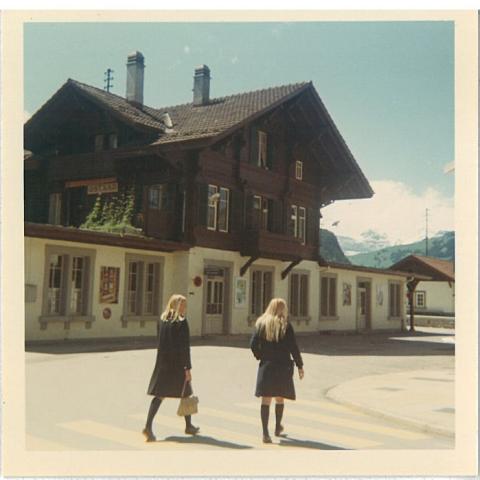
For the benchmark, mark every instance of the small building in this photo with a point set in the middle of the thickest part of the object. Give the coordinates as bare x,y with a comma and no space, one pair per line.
435,296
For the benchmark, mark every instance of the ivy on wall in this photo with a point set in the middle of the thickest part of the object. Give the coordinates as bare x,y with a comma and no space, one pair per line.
113,213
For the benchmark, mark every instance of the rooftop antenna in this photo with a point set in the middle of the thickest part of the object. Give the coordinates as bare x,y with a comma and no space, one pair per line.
108,80
426,232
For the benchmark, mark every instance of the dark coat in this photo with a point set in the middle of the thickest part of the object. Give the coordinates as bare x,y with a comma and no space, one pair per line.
275,371
173,358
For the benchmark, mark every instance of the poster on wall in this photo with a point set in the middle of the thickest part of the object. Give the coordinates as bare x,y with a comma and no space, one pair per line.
109,279
347,294
240,292
379,295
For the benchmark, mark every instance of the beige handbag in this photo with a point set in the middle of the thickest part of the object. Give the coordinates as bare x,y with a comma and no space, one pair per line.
187,405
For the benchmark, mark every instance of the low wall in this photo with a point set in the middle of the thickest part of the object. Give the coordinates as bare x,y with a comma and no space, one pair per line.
434,321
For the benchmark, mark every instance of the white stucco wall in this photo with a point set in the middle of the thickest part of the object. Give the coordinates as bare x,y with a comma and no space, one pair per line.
100,327
179,271
440,297
347,314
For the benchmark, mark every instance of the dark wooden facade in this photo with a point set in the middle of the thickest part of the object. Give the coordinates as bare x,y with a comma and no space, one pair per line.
64,161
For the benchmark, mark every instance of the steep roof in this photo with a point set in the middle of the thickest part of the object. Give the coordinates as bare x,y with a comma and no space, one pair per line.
189,121
440,270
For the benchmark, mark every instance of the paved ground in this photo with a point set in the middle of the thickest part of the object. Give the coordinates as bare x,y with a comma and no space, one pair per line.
95,400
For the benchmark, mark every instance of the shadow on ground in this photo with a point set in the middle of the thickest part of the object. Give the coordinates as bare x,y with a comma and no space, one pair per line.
294,442
416,343
213,442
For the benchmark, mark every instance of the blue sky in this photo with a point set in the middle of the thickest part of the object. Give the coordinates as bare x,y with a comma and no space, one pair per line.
389,86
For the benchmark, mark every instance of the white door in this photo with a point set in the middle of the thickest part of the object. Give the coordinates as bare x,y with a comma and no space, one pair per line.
215,305
362,308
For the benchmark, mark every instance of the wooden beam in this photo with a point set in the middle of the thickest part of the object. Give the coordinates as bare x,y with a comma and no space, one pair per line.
289,268
245,267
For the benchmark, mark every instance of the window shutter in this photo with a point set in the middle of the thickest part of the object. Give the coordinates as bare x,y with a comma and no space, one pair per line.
253,146
250,212
312,226
202,202
236,211
277,216
171,196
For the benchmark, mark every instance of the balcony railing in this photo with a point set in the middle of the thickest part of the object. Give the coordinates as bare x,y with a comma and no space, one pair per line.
262,243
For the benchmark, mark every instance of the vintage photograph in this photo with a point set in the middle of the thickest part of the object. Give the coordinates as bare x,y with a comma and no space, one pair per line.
239,237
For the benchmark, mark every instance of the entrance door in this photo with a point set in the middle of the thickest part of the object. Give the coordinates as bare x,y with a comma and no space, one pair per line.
161,221
215,305
362,308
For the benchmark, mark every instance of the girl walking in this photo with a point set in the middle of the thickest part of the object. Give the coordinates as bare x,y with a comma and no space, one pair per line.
171,376
274,343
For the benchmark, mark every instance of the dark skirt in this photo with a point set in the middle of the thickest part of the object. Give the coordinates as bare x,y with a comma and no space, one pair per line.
167,381
275,379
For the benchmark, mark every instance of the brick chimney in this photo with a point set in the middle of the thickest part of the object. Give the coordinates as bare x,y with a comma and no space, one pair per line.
135,67
201,85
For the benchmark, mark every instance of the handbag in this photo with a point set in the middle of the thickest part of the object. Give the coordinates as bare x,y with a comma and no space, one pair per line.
187,405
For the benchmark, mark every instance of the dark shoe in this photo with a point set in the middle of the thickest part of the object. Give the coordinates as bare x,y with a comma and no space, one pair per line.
278,431
191,430
149,436
267,439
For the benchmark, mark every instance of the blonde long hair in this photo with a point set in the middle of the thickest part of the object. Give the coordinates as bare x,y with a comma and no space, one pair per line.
273,323
171,312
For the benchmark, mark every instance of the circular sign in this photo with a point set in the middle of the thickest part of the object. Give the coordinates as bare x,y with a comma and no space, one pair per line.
107,313
197,281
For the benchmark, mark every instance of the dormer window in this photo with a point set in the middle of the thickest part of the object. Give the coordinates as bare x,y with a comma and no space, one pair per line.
262,149
299,170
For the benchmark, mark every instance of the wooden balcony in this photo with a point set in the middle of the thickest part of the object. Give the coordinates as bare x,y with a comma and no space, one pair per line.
265,244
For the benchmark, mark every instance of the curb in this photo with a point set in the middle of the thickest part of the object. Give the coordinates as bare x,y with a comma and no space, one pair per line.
399,420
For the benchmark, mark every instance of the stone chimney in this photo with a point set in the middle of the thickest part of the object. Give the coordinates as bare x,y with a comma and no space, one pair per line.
135,67
201,85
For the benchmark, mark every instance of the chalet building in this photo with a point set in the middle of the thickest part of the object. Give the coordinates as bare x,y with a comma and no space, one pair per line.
218,199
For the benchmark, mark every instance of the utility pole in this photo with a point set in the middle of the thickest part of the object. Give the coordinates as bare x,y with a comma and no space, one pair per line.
426,232
108,80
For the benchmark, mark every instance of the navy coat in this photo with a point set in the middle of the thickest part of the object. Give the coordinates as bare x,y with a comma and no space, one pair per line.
275,371
173,358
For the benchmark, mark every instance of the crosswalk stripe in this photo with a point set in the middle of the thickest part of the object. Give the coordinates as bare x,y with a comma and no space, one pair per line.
324,405
223,434
38,443
349,423
334,438
122,436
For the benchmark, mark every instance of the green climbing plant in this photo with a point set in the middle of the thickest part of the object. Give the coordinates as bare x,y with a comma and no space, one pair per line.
113,214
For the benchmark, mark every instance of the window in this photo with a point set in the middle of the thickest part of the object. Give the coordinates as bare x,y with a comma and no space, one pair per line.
298,222
212,207
99,139
142,296
262,150
394,299
218,208
262,213
158,198
223,209
298,303
112,141
328,296
301,224
55,209
68,283
299,170
421,299
261,291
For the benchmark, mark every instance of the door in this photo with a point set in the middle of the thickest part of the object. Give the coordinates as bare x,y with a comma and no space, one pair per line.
215,313
362,310
161,221
78,206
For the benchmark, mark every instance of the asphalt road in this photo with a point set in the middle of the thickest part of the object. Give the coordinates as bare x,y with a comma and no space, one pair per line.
96,400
